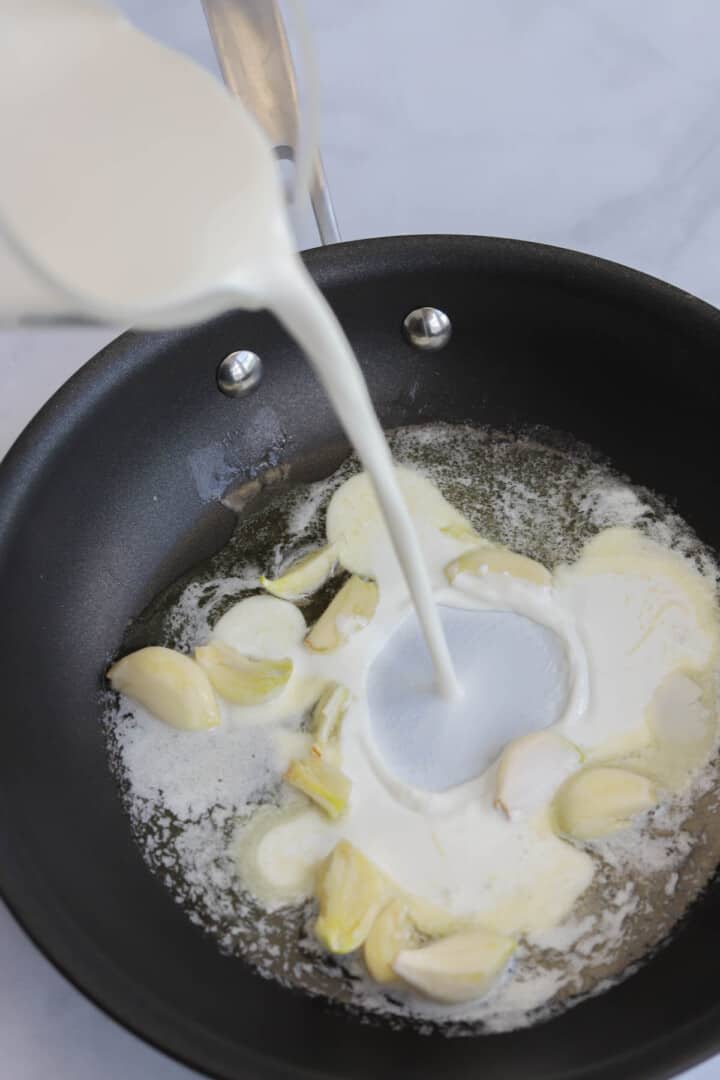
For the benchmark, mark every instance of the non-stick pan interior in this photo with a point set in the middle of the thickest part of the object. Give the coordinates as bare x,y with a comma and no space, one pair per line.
115,490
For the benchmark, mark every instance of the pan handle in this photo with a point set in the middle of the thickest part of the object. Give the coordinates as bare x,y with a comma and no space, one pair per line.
251,44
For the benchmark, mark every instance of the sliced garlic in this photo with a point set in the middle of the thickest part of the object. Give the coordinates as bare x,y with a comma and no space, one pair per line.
304,576
350,610
531,769
601,800
490,559
458,968
392,931
321,781
350,891
169,685
244,680
329,712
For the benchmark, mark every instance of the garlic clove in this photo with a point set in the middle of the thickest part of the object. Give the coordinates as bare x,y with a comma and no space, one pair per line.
305,576
457,968
169,685
350,891
601,800
243,680
350,610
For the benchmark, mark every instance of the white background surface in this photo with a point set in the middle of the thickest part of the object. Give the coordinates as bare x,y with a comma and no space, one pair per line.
587,123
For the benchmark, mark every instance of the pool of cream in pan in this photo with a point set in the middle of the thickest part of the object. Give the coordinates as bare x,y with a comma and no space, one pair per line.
532,493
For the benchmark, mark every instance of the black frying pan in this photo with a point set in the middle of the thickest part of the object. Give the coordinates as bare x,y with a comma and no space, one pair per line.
113,491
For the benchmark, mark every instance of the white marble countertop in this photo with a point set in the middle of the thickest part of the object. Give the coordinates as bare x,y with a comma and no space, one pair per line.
588,124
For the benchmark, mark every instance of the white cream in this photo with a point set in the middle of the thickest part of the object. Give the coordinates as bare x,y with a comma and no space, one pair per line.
515,680
642,613
625,616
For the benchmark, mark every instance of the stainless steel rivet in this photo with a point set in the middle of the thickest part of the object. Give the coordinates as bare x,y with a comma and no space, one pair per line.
239,373
427,328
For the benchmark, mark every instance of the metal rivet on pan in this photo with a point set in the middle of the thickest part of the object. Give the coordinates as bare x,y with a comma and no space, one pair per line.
427,328
239,373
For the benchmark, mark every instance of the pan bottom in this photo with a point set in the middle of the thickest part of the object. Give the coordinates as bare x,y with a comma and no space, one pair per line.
541,496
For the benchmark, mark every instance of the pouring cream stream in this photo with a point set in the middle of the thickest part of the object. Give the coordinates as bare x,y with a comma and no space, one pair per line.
139,190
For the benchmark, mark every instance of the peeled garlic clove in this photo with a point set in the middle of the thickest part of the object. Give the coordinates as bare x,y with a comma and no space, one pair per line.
350,610
169,685
457,968
322,782
531,769
392,931
262,626
350,891
304,576
601,800
498,560
244,680
329,712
